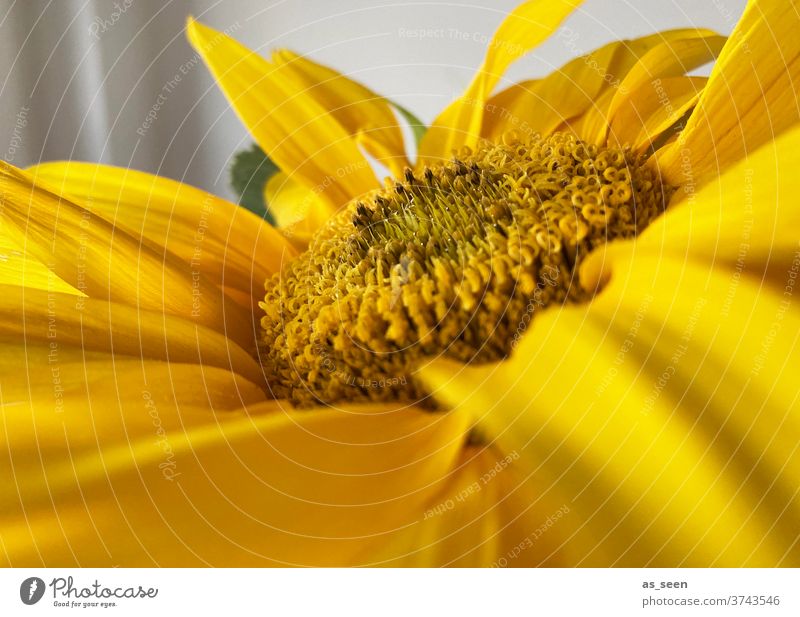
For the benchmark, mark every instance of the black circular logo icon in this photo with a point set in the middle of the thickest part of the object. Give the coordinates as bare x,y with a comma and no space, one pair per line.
31,590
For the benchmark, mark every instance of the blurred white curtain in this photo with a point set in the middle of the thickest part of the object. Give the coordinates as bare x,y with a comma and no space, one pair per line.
79,78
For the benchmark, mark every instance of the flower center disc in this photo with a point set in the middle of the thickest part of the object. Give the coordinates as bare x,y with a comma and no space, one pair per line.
452,262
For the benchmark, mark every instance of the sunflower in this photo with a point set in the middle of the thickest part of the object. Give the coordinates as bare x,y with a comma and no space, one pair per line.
562,336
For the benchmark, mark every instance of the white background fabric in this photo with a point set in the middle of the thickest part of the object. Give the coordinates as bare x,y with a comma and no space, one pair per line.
78,78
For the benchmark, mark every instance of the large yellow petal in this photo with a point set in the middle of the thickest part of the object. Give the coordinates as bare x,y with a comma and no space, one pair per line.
362,112
61,401
228,244
107,263
524,29
65,321
751,95
268,488
297,132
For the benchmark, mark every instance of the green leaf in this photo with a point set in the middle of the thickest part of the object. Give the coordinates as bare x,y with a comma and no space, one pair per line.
250,172
417,126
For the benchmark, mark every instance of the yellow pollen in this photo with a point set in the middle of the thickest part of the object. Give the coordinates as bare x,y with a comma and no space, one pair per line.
451,262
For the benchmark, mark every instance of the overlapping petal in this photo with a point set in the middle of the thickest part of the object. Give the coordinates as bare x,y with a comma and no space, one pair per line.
226,243
291,125
20,269
746,220
105,262
298,211
268,488
364,114
669,59
572,91
751,96
68,321
648,115
525,28
487,514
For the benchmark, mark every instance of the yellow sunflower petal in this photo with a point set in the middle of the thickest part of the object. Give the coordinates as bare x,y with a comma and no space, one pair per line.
747,218
653,109
358,109
566,94
541,105
107,263
228,244
294,128
18,268
486,515
64,401
313,488
592,126
62,320
512,109
672,58
524,29
750,98
298,211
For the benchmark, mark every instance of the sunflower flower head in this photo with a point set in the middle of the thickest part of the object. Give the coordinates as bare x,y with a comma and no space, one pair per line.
452,261
590,276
